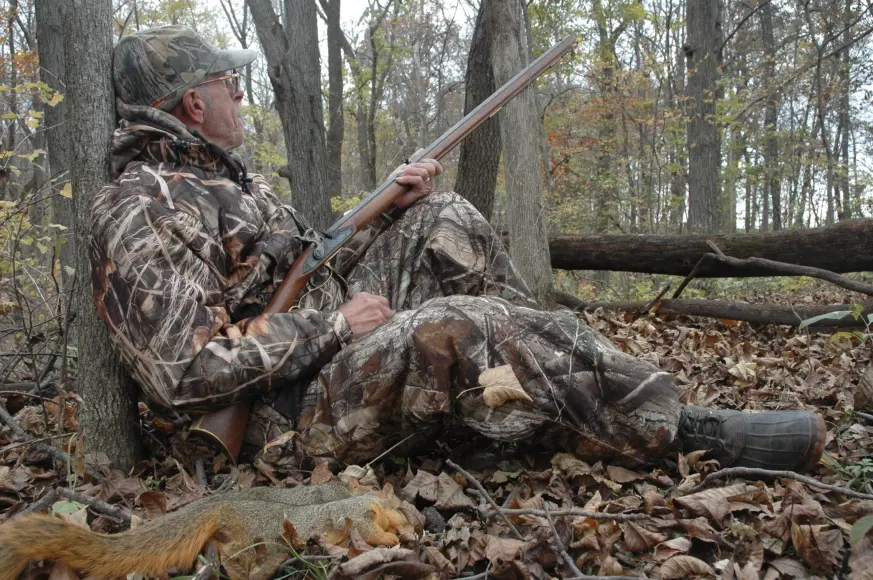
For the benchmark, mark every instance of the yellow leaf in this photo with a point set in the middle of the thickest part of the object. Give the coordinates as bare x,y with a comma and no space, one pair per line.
67,191
56,98
8,116
501,386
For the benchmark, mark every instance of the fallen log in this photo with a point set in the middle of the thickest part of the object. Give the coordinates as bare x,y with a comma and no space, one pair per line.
844,247
744,311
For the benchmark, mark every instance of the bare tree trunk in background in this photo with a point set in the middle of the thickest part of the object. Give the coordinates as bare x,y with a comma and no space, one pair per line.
675,158
521,157
702,50
50,31
292,61
480,152
109,418
845,121
336,128
772,163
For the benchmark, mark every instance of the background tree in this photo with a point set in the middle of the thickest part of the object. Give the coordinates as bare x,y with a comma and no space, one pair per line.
519,118
291,50
706,206
480,152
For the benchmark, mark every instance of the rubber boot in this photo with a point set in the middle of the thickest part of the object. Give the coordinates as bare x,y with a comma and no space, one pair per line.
783,440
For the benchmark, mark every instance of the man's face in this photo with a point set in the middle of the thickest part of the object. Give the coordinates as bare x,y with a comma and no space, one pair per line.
222,123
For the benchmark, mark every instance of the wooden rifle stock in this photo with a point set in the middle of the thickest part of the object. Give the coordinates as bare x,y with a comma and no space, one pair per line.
227,426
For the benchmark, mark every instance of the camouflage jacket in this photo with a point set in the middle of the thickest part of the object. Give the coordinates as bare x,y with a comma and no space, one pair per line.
183,261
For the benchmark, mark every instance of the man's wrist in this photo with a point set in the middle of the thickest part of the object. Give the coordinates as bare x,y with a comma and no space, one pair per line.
341,328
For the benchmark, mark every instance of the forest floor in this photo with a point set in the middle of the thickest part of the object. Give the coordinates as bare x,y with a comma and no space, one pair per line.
652,523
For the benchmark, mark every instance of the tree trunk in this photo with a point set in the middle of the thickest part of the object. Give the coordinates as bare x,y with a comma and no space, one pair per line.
772,163
480,152
50,30
292,64
521,157
706,213
336,128
109,415
844,247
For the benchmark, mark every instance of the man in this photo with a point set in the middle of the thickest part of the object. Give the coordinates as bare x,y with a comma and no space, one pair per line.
405,332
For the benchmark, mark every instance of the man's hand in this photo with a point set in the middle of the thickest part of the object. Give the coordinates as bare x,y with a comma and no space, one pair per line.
364,312
419,177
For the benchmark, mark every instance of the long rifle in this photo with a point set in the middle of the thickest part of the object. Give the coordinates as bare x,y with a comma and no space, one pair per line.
227,426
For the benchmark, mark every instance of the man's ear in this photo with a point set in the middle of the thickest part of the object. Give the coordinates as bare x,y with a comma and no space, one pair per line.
193,107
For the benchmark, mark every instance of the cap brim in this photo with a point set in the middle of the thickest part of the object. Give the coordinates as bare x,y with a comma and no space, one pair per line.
230,59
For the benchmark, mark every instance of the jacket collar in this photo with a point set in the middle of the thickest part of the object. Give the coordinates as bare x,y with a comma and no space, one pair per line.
153,136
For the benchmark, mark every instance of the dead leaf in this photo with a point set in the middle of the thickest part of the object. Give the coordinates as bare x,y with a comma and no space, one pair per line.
861,560
610,567
424,485
501,385
711,503
685,567
500,551
699,528
622,475
442,564
639,539
154,502
818,545
670,548
790,567
321,474
451,495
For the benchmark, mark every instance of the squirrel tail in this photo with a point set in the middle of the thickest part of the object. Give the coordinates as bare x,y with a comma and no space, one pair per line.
148,549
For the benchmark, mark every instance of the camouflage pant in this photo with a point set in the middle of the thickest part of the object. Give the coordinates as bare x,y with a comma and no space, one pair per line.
462,309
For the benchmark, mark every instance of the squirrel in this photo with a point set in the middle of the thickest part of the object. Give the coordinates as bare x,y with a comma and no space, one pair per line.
248,528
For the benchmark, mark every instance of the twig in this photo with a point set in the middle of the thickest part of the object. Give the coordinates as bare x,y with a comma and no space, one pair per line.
715,249
690,276
792,269
200,471
562,549
866,416
390,449
33,441
472,481
576,513
97,504
649,305
56,453
757,472
43,503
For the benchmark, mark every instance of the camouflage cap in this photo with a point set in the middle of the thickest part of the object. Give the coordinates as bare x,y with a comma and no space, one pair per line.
160,63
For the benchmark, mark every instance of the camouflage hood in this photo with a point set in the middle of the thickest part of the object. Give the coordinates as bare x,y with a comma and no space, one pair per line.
153,136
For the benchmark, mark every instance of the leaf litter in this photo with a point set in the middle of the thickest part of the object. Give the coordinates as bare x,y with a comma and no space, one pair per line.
740,529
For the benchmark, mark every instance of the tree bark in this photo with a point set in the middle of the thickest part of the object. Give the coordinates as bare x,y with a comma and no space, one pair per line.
844,247
50,30
521,156
336,127
743,311
292,62
480,152
109,415
706,213
772,164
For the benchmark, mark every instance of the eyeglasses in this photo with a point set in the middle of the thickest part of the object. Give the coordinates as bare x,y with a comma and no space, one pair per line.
231,81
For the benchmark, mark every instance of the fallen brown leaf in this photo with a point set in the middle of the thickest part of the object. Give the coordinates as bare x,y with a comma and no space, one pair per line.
685,567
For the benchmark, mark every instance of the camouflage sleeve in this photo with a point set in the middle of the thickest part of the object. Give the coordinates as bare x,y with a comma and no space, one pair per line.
168,322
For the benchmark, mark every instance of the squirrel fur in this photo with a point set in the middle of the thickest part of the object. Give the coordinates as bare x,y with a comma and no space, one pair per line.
246,528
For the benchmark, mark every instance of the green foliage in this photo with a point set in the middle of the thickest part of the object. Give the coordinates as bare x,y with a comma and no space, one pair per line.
859,475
